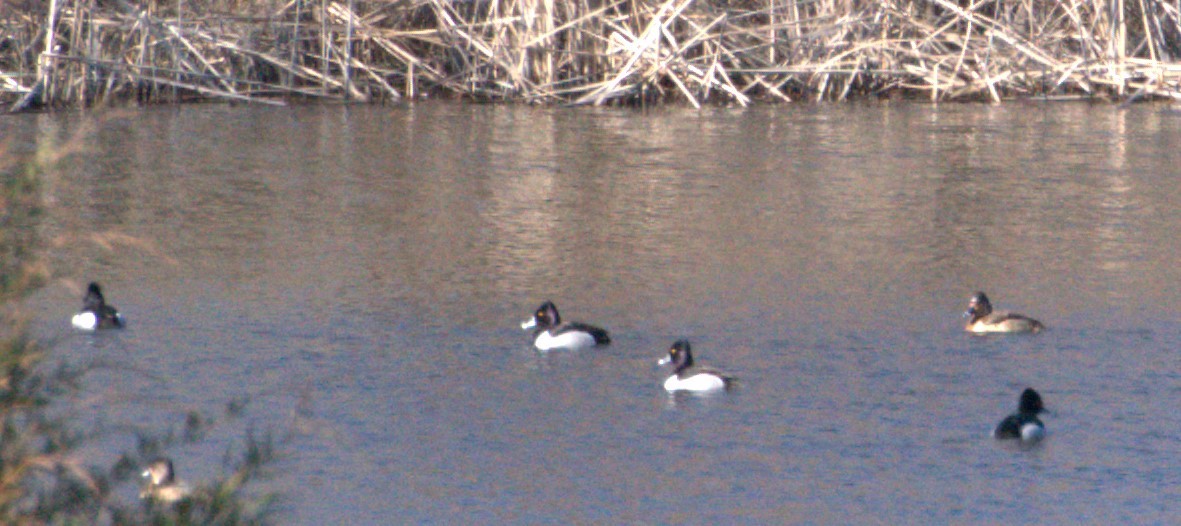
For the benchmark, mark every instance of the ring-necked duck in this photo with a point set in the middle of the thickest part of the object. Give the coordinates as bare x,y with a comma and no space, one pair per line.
686,377
981,318
162,483
1023,424
550,333
96,314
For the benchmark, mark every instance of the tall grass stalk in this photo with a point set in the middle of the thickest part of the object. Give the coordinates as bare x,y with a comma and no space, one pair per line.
588,51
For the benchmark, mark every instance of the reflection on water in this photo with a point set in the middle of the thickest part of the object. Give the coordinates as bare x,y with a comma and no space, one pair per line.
358,272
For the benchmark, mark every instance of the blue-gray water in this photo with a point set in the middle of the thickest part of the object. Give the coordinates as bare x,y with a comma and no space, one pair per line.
358,274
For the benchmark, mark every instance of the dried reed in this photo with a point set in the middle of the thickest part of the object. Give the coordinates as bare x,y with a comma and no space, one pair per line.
72,52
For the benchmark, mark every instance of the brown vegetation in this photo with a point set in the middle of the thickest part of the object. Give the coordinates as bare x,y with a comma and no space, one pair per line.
66,52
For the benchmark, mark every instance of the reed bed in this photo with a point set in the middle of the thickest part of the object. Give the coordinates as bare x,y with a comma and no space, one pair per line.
82,52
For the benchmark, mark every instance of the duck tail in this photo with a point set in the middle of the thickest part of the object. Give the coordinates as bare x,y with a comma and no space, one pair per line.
601,337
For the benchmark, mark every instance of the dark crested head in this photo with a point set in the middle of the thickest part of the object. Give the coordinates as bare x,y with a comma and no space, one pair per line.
94,295
160,471
1031,402
979,305
544,317
680,354
547,314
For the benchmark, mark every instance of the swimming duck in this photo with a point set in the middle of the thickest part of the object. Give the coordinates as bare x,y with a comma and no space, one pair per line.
96,314
686,377
162,484
550,333
982,319
1024,424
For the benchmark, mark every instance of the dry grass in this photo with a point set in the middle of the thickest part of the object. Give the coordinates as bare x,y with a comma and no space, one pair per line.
588,51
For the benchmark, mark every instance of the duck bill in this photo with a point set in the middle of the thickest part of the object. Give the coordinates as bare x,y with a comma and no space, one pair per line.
664,361
529,323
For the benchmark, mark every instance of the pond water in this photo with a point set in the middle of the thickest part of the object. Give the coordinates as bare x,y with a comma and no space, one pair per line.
357,275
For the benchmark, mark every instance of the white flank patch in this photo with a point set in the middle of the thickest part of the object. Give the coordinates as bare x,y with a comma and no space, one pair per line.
572,340
167,493
1032,432
697,382
980,327
86,321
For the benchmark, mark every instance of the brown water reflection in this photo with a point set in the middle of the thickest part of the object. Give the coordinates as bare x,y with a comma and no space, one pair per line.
372,262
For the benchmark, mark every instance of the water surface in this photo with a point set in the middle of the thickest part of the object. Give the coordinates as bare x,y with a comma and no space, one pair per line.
357,274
